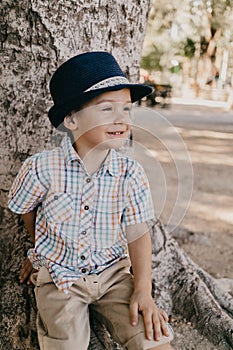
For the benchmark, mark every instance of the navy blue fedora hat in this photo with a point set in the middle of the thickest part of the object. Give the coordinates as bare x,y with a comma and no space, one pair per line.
84,77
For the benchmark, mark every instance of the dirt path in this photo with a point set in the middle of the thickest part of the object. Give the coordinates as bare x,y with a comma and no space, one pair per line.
208,224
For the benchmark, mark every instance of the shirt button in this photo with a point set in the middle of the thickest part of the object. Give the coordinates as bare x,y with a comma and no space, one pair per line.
86,207
83,257
55,197
84,270
88,180
84,232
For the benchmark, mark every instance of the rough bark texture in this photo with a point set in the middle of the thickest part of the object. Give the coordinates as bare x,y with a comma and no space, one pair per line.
184,288
36,36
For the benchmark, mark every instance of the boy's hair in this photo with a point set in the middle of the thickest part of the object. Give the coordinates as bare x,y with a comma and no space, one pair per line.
84,77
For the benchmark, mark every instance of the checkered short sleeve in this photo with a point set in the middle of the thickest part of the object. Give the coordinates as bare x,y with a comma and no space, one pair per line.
27,190
139,206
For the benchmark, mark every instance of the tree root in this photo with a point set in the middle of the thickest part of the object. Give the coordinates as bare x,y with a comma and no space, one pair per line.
194,294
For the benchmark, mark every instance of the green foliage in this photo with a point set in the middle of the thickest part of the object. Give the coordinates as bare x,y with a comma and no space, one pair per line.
189,48
176,69
184,29
151,61
204,45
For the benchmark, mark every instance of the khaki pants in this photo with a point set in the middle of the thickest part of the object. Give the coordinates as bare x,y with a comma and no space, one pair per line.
63,319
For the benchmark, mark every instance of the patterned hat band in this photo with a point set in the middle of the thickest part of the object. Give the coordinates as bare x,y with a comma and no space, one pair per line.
109,82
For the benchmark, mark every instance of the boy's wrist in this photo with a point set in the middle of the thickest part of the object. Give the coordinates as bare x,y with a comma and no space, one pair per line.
143,286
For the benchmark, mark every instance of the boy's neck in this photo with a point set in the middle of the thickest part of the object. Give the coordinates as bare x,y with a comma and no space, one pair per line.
93,159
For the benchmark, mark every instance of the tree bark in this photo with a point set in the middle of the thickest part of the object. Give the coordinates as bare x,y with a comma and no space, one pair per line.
36,37
184,288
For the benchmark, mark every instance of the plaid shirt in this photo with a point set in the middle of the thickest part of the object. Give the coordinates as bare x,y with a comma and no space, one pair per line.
81,219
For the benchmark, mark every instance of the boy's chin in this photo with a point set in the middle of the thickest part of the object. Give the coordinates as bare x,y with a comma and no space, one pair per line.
115,144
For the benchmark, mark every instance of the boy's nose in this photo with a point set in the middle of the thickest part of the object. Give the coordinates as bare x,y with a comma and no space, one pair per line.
120,117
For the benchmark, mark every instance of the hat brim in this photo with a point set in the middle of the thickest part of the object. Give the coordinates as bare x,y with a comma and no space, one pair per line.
57,113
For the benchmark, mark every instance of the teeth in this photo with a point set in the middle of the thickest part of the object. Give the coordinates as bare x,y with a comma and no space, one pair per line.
116,133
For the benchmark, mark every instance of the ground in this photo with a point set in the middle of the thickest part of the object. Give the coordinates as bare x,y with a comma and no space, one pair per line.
203,225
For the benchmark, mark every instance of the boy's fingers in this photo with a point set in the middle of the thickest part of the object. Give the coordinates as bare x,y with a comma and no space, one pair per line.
164,315
160,327
147,318
164,322
133,309
25,271
155,321
26,264
164,328
24,276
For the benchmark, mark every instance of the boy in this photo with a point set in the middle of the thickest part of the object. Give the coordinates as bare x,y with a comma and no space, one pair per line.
87,208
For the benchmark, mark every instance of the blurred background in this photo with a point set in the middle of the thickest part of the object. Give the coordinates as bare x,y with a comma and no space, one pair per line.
188,51
188,59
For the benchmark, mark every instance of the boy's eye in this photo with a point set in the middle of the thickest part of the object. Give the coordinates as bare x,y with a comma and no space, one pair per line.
127,108
111,108
107,109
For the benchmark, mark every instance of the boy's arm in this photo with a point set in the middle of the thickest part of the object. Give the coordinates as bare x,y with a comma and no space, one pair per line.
29,220
140,252
27,269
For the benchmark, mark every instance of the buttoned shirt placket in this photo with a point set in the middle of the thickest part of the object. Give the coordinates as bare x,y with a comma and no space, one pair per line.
85,227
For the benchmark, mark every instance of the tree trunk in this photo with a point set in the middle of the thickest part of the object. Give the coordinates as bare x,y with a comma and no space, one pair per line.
36,37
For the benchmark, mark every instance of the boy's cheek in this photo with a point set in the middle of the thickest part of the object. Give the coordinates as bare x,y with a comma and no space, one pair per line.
97,125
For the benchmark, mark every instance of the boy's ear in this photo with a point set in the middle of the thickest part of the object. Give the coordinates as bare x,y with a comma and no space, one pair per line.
70,122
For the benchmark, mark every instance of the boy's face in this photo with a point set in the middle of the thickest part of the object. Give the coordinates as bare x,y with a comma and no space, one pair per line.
104,122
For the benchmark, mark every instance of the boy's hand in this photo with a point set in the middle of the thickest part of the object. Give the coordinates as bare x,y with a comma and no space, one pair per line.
154,318
26,271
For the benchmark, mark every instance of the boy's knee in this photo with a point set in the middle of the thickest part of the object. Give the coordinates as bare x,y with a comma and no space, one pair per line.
140,343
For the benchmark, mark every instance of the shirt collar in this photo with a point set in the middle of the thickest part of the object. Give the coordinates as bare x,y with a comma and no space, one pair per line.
69,151
112,163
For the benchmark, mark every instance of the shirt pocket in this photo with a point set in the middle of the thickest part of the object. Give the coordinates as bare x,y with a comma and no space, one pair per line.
59,207
108,203
107,221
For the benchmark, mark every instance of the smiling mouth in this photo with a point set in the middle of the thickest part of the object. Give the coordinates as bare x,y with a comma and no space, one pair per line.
115,132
